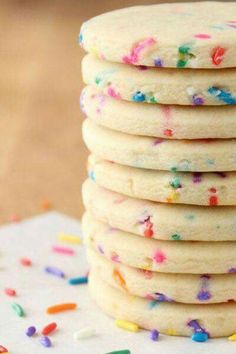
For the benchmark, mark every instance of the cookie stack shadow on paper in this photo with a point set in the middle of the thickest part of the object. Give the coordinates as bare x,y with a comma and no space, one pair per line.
160,222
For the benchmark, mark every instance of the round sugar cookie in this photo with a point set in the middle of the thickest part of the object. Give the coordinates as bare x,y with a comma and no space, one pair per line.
182,35
207,188
160,154
185,288
163,121
167,86
159,256
158,220
218,320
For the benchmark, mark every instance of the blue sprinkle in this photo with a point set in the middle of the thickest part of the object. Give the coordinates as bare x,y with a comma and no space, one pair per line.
153,304
77,281
210,162
30,331
158,62
204,295
80,37
45,341
200,337
139,97
222,95
91,175
55,271
154,335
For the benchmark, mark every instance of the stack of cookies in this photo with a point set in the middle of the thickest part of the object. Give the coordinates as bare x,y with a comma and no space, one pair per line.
160,222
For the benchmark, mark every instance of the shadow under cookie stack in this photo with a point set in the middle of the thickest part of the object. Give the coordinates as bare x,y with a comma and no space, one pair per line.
160,222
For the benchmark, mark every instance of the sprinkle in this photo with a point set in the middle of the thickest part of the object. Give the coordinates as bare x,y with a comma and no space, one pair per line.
18,309
125,351
184,55
202,36
14,218
55,271
78,281
46,205
168,132
10,292
85,332
128,326
112,93
133,57
175,183
3,350
139,97
49,328
171,332
159,257
196,326
45,341
61,307
197,177
162,298
30,331
197,100
154,335
26,262
222,95
176,237
119,278
200,337
63,250
158,63
69,238
217,55
233,337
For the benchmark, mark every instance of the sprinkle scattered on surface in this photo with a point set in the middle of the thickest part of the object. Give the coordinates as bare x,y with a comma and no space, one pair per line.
10,292
154,335
69,239
233,337
3,350
200,337
55,271
30,331
124,351
85,332
49,328
78,281
18,309
61,307
45,341
128,326
63,250
26,262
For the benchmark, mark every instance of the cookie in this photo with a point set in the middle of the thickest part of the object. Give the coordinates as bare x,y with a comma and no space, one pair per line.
178,319
186,35
160,154
161,121
185,288
159,256
166,86
155,220
207,188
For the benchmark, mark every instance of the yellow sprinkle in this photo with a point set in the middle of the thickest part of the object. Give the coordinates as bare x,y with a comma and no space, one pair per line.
233,337
171,332
128,326
69,238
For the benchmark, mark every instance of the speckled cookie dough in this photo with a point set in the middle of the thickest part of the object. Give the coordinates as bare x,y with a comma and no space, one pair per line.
155,220
162,121
160,154
217,320
185,288
207,188
167,86
159,256
181,35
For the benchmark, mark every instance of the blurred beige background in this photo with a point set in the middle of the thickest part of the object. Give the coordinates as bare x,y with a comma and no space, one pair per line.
42,156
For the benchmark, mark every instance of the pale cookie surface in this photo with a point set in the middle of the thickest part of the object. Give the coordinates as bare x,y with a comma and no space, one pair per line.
170,318
160,154
170,122
195,35
185,288
207,188
159,256
155,220
167,86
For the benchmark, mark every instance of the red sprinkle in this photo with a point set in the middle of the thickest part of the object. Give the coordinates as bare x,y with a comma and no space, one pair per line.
213,200
217,55
49,328
168,132
10,292
26,262
3,349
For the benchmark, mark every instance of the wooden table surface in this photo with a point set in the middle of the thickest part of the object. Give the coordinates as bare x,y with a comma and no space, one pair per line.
42,156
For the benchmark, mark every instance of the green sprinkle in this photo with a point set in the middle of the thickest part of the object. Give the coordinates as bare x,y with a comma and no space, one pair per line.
176,237
181,63
97,80
173,169
184,50
153,303
152,99
18,309
175,183
125,351
190,216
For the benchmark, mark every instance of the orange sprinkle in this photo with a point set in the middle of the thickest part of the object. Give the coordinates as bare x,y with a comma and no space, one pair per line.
46,205
26,262
61,307
119,278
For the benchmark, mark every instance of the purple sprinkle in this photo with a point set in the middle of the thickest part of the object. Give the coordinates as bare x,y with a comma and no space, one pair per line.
142,67
30,331
221,174
55,271
203,295
100,249
157,141
197,177
232,270
205,276
197,101
158,63
196,326
45,341
154,335
162,298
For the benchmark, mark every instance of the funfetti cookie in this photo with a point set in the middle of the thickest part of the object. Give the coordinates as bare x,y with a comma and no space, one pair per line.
174,319
165,86
160,154
206,188
161,121
155,220
159,256
177,35
185,288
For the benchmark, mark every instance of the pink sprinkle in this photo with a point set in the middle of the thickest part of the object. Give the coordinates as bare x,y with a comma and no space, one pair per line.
202,36
15,218
10,292
63,250
112,93
159,257
26,262
137,49
115,257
